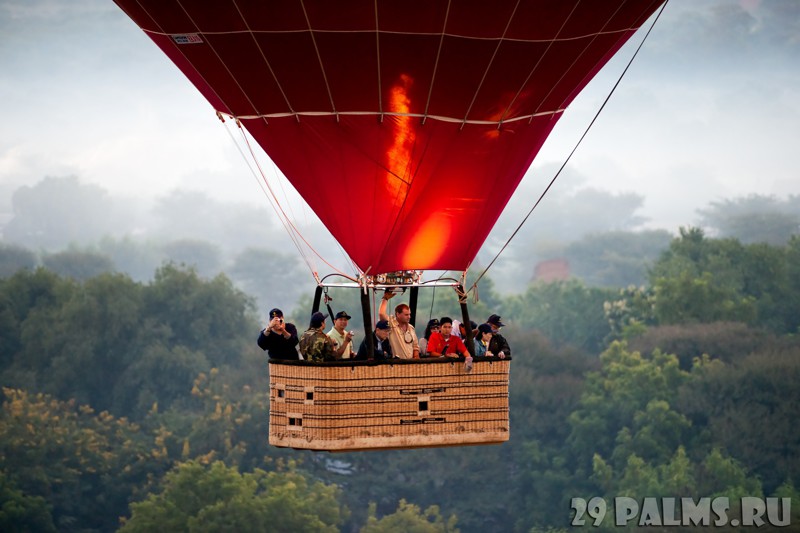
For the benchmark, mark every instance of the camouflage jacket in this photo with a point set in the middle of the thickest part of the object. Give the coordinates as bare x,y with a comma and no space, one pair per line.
316,346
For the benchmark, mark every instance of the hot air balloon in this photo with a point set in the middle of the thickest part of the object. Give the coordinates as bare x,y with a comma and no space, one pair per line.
426,114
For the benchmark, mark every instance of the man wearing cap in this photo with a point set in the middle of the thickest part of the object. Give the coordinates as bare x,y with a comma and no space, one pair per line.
499,344
380,343
402,336
279,339
342,339
314,344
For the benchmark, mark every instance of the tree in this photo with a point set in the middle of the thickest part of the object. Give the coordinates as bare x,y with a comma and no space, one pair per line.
629,402
13,258
200,498
193,215
616,258
202,256
211,316
78,264
271,278
138,259
754,218
409,518
565,312
55,450
58,211
748,408
21,512
709,280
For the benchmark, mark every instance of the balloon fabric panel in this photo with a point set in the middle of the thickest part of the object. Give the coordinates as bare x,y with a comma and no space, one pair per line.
406,126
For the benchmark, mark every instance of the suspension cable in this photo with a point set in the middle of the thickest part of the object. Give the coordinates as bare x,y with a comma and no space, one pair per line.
574,149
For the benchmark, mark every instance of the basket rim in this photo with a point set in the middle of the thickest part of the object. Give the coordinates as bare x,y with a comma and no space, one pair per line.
390,362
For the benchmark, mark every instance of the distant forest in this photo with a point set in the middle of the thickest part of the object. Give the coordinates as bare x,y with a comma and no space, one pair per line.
142,404
79,231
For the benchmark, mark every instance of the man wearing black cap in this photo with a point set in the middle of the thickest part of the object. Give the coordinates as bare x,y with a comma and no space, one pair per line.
314,344
498,345
342,339
279,339
380,341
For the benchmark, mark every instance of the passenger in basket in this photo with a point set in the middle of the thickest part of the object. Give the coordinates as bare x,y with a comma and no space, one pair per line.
279,339
463,331
402,336
483,341
433,326
445,344
314,344
380,343
342,339
499,345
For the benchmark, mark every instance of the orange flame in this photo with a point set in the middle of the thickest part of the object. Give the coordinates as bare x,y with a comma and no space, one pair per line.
398,155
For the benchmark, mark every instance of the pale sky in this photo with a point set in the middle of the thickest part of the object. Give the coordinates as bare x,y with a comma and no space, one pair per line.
709,110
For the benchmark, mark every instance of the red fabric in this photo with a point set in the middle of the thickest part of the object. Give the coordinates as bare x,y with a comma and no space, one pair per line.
454,344
427,190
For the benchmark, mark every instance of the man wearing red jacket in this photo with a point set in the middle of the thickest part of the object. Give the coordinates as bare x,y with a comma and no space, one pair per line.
444,343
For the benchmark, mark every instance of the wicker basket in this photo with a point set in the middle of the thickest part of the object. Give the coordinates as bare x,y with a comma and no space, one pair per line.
347,406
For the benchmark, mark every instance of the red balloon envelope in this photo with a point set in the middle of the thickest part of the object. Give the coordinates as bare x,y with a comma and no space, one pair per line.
405,125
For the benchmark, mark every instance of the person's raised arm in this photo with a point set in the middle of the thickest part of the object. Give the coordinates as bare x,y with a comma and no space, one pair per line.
382,315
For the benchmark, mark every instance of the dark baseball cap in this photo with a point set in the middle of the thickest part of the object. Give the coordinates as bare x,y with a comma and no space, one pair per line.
382,324
275,313
342,314
317,319
495,319
485,328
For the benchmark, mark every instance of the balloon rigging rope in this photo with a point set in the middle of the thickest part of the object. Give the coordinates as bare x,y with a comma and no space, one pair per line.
574,149
287,223
261,184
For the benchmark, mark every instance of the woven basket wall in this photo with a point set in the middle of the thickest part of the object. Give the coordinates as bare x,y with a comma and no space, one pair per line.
358,406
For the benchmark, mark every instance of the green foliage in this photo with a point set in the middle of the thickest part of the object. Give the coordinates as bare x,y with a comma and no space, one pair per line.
411,519
55,450
616,258
136,258
565,312
728,341
200,498
749,408
695,408
60,211
20,512
754,218
201,256
273,279
78,264
625,407
705,280
115,344
630,314
13,258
